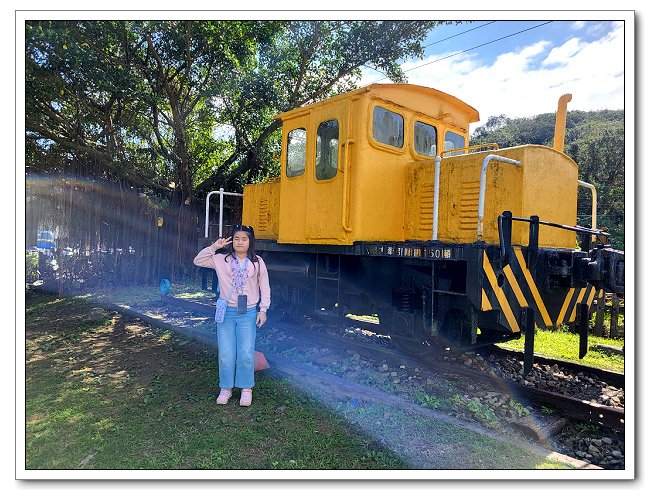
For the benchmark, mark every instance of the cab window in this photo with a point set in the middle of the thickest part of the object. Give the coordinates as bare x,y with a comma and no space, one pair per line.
425,137
296,152
454,141
387,127
327,149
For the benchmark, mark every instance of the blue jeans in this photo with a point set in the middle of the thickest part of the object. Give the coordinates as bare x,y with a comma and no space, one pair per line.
236,343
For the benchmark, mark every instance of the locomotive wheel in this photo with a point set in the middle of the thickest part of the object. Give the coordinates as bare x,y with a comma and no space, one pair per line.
408,332
490,337
286,304
457,329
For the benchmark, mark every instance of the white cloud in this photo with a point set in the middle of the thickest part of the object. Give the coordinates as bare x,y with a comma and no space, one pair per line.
563,53
529,81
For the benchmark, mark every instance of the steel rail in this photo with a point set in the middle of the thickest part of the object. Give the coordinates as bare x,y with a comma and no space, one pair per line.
577,409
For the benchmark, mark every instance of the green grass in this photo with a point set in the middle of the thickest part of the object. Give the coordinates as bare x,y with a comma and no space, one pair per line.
565,345
105,391
130,397
444,446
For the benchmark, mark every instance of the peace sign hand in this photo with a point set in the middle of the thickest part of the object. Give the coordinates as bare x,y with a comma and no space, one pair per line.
221,242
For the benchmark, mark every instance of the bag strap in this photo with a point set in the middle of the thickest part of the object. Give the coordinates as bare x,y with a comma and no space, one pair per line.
230,294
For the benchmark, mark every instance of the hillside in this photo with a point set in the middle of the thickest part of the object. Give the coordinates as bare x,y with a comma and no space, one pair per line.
594,139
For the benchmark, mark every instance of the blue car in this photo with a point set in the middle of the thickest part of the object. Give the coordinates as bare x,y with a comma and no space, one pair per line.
45,242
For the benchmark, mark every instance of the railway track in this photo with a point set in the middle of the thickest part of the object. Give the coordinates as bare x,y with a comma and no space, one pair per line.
436,365
614,378
575,408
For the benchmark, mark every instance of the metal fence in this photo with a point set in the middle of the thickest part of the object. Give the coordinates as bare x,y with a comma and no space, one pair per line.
107,233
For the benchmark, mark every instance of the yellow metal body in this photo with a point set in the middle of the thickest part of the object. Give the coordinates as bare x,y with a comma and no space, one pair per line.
385,193
524,190
262,208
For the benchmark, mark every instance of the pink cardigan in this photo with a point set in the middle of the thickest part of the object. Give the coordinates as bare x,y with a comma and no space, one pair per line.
257,281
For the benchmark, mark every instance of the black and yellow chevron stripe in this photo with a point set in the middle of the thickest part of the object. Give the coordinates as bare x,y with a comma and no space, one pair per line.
574,297
518,289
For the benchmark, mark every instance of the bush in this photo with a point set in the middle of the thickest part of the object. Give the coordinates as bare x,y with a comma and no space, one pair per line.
31,267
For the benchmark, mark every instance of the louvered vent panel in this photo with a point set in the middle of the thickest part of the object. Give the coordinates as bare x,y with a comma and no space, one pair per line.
263,215
426,207
468,206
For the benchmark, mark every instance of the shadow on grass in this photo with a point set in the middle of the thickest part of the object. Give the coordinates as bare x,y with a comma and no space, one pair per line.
107,391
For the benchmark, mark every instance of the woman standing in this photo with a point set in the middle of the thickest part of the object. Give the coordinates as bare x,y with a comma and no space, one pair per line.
243,282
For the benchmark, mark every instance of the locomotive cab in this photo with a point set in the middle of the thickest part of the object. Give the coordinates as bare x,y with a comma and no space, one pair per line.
344,162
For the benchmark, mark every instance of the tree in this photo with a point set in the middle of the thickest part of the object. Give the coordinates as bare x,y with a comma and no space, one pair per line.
156,73
492,124
77,104
305,62
145,100
175,108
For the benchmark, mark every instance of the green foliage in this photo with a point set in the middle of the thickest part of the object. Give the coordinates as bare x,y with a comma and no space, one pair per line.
588,429
596,142
182,106
80,104
482,412
429,401
456,400
31,267
546,410
517,407
127,99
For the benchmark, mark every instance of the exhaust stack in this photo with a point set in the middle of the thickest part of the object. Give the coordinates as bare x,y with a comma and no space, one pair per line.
560,123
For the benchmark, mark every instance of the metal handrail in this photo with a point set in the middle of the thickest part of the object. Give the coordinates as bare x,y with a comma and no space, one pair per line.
345,211
207,208
481,196
481,201
575,229
467,149
594,201
436,197
504,223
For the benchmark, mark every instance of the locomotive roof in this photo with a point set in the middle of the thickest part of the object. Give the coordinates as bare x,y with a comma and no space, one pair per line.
379,88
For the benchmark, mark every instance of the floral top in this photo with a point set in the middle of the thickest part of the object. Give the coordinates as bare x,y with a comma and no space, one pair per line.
253,275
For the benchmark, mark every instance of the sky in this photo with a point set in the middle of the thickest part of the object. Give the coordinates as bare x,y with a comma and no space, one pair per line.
521,68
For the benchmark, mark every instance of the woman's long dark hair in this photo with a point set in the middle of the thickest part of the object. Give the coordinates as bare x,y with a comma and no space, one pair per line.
252,256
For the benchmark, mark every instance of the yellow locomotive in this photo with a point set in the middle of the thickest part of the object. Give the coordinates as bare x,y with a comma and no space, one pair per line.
383,208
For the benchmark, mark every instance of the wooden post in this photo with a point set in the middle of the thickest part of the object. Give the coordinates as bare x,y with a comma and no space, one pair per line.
155,254
600,314
613,326
146,247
